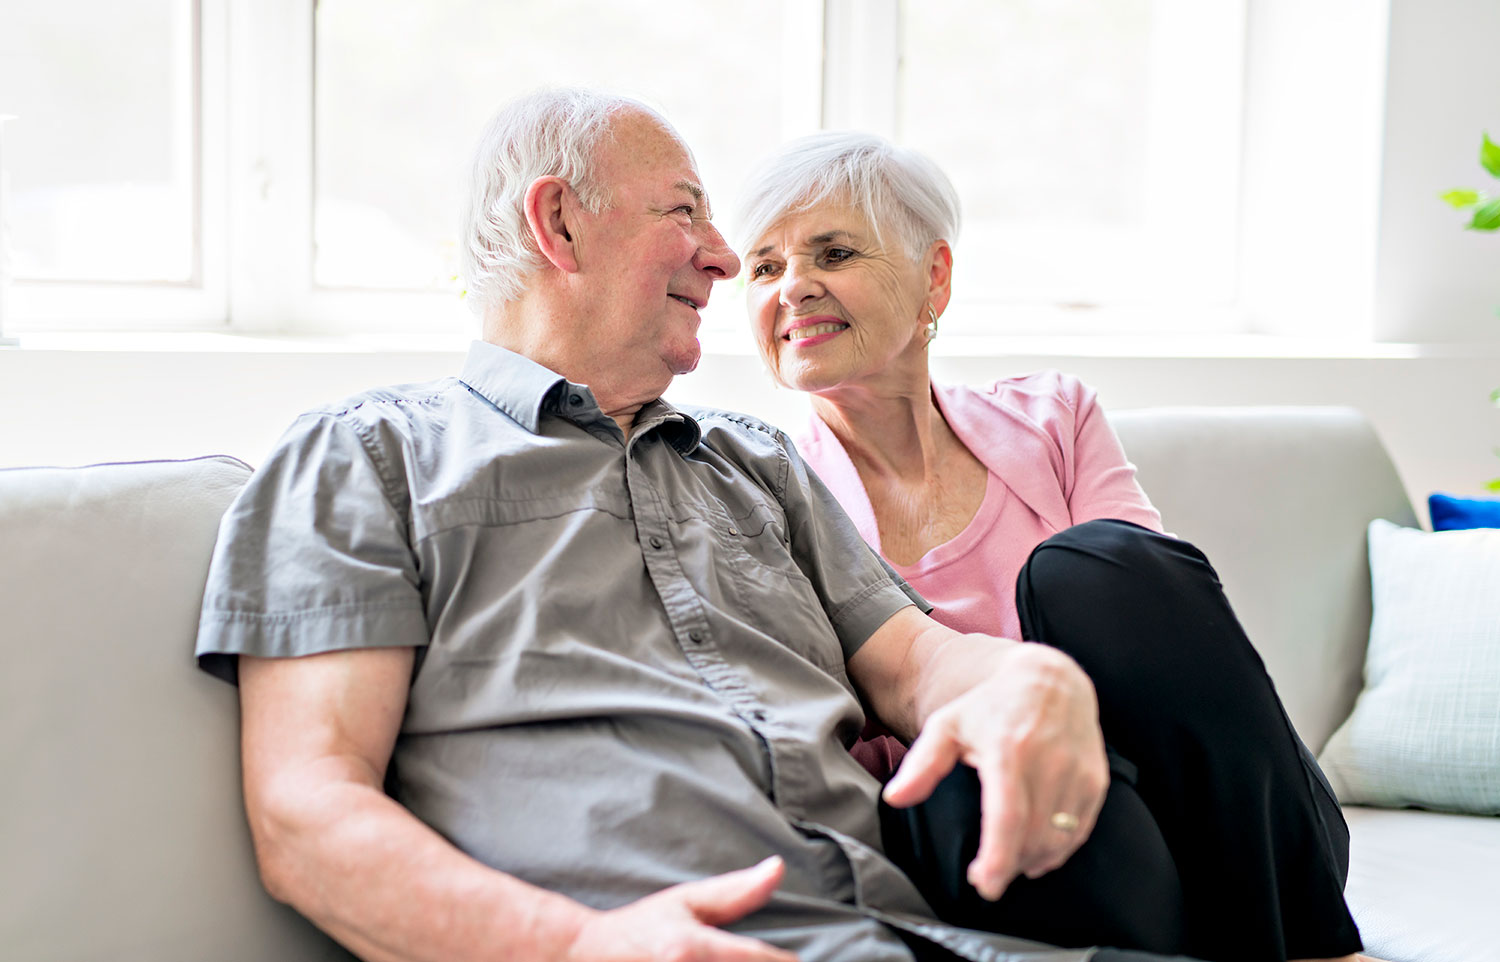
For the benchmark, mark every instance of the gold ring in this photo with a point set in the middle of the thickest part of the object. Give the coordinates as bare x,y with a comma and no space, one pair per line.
1064,821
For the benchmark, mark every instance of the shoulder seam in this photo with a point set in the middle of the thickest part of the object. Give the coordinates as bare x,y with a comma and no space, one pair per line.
383,469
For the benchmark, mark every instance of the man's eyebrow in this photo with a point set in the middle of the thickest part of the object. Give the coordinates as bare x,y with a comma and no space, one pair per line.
698,196
823,238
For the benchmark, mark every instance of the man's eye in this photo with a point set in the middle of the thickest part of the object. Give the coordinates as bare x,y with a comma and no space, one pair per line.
687,209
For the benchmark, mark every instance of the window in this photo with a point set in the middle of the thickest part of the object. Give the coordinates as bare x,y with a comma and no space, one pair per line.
403,89
106,163
317,187
1094,146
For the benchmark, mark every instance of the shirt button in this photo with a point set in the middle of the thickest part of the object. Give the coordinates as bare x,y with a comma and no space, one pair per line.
733,532
655,542
695,638
758,715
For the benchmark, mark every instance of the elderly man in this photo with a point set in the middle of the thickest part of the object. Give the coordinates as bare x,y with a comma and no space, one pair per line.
533,664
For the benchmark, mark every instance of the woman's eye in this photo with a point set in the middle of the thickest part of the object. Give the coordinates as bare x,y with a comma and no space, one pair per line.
763,270
837,254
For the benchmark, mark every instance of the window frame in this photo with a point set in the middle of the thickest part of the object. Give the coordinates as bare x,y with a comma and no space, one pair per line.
255,130
201,301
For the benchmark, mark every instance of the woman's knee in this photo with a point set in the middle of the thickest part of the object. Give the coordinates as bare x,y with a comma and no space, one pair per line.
1121,888
1108,557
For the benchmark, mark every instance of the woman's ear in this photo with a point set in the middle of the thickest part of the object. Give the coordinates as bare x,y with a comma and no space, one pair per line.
939,275
551,209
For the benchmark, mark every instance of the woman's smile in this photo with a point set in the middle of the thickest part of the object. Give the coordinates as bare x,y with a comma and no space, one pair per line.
813,330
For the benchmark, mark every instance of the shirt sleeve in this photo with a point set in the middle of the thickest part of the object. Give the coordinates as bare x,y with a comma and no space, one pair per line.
860,592
1104,484
313,556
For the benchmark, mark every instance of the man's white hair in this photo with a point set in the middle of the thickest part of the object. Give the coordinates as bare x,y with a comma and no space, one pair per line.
898,189
555,132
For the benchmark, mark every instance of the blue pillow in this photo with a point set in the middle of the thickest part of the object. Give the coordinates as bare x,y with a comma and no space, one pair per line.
1456,514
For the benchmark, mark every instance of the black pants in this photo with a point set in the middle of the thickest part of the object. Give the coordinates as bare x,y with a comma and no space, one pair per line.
1219,837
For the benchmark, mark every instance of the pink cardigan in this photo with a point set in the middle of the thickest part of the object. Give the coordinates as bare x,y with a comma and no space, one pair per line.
1054,462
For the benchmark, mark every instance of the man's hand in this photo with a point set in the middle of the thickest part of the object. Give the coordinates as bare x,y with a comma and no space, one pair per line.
1031,730
678,924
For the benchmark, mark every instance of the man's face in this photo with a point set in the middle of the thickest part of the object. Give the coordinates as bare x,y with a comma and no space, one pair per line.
649,259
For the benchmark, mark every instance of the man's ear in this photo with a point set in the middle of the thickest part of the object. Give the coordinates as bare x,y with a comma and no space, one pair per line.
551,210
939,275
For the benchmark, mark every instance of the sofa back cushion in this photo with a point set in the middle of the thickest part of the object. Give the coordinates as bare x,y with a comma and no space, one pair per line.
1279,500
122,827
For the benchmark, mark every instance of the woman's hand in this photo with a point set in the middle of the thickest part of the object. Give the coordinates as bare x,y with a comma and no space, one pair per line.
1031,730
678,924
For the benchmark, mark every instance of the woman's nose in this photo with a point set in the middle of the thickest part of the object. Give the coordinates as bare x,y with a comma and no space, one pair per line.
798,284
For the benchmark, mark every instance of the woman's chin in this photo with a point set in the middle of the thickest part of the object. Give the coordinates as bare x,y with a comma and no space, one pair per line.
799,375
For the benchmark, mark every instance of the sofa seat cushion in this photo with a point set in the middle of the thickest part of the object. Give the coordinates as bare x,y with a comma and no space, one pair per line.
1423,885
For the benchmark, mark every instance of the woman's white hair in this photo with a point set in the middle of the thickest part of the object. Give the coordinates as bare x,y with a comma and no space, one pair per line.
898,189
551,133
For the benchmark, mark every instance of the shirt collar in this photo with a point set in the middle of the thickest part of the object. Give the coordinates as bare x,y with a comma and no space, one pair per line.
524,390
680,429
515,384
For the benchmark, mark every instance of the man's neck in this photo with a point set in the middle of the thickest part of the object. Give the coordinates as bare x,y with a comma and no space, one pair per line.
522,326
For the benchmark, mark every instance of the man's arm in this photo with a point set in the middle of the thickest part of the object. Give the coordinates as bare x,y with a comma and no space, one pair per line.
318,733
1024,716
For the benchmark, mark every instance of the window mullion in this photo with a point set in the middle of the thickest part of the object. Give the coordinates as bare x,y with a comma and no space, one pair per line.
861,64
271,97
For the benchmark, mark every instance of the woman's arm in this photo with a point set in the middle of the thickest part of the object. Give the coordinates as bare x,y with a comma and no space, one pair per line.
1104,482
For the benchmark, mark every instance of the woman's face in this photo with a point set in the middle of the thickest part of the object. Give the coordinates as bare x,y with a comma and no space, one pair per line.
829,305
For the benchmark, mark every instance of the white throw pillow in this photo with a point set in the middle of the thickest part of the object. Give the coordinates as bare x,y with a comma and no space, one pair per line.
1425,731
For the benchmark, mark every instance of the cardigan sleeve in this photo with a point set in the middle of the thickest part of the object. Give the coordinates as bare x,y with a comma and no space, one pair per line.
1104,483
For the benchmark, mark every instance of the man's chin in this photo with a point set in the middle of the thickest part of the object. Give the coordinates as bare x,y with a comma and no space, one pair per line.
685,360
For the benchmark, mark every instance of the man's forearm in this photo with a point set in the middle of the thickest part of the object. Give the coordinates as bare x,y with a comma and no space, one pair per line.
1025,717
950,663
366,871
939,665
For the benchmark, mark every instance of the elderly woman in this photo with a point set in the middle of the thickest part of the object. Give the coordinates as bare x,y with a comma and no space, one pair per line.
1219,837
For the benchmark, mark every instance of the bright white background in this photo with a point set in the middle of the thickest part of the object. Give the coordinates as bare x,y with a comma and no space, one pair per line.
1351,283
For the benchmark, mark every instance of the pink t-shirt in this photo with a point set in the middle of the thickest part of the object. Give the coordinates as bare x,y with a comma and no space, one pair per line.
1053,462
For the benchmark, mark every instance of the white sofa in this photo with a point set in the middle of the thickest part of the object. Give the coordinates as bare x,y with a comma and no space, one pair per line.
122,836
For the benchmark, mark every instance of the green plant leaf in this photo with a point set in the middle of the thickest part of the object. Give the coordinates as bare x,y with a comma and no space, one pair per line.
1495,397
1487,217
1492,485
1461,198
1489,155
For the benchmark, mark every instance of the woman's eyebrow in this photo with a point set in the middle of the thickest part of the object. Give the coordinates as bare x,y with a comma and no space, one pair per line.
823,238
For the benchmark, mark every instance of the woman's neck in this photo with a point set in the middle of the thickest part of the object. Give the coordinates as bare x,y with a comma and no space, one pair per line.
891,432
924,486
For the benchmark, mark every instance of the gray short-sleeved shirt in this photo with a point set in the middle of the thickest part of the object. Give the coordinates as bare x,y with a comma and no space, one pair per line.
630,654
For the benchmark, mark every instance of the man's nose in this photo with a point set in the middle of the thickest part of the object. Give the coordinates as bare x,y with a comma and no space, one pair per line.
716,256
